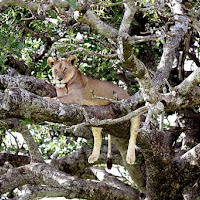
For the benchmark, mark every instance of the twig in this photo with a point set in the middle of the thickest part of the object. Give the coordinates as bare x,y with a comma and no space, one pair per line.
114,100
40,35
105,43
169,86
16,141
106,5
163,113
193,57
83,50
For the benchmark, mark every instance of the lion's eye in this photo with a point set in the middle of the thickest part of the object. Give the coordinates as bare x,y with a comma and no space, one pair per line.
65,70
55,70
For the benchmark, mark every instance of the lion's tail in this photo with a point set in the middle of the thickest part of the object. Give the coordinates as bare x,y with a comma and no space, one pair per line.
109,154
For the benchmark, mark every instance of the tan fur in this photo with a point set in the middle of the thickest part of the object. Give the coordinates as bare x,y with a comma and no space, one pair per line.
74,87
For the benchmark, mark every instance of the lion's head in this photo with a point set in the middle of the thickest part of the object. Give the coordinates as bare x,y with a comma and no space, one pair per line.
62,70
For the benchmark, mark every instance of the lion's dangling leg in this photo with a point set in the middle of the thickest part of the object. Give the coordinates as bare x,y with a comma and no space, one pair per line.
135,124
97,144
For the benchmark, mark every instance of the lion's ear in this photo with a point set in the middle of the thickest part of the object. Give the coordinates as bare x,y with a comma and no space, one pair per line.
72,59
51,61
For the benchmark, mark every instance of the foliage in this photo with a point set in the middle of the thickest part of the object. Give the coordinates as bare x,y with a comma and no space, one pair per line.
23,44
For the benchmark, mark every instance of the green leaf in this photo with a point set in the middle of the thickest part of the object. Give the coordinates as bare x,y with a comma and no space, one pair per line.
72,3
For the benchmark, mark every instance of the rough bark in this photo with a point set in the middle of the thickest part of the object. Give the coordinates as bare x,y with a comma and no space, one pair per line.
43,174
163,171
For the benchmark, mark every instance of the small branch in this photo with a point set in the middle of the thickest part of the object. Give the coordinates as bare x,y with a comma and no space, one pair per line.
139,39
40,35
32,146
193,57
106,5
168,85
96,122
162,113
33,17
16,142
83,50
15,125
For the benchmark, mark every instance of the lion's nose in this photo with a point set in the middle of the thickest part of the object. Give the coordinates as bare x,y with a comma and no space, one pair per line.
60,79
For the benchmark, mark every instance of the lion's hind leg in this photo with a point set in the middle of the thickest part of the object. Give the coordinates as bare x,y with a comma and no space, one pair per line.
97,144
135,123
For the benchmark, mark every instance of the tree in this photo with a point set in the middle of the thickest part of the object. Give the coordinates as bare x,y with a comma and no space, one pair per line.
143,45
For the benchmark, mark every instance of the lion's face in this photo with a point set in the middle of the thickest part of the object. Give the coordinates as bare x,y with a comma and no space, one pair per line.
62,70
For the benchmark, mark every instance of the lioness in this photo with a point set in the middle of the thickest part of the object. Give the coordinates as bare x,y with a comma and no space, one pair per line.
74,87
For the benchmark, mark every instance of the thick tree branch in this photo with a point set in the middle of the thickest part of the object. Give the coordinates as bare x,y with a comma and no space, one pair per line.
135,171
192,156
32,84
20,66
24,104
14,160
193,191
33,192
43,174
189,83
138,69
130,10
20,103
111,180
177,33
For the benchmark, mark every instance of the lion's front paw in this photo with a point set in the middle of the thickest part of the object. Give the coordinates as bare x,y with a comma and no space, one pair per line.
130,158
93,158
